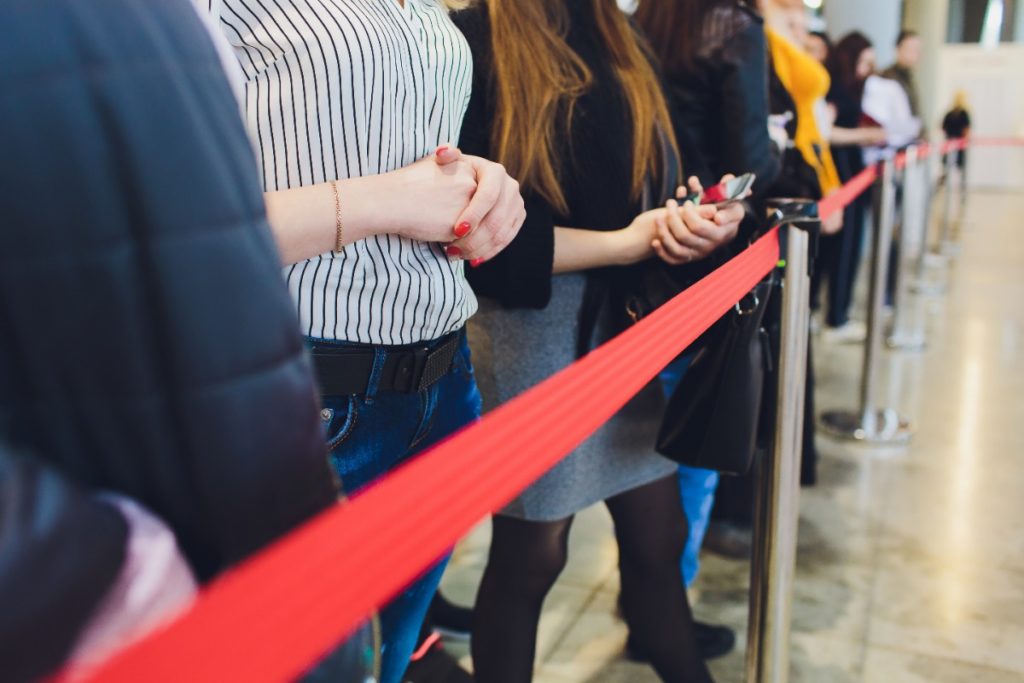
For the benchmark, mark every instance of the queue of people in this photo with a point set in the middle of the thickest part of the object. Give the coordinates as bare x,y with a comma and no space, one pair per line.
465,198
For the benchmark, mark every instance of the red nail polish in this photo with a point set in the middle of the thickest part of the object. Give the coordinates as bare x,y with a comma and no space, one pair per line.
462,229
476,262
453,251
441,150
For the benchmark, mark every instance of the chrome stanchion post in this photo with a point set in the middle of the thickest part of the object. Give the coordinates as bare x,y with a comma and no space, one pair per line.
946,245
903,335
773,561
963,175
871,424
926,258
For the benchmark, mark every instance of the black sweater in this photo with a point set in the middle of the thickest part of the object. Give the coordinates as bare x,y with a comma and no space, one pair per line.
597,164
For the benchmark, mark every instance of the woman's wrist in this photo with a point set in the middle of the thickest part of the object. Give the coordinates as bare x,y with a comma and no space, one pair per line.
628,246
361,201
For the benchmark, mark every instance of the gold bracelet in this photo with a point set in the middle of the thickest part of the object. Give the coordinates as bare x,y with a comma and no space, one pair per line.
339,244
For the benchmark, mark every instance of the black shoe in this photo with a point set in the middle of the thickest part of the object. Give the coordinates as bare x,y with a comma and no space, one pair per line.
433,664
450,620
712,642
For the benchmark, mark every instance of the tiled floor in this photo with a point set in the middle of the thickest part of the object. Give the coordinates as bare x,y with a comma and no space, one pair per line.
911,564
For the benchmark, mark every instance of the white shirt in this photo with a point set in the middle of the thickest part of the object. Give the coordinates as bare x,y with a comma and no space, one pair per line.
337,89
886,101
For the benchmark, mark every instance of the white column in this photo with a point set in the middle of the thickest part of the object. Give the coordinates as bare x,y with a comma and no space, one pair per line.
930,18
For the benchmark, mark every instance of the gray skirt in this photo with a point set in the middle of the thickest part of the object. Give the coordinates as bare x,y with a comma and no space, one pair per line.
513,350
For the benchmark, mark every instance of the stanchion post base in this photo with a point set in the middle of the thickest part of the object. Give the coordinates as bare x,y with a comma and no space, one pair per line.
950,249
907,342
929,289
884,428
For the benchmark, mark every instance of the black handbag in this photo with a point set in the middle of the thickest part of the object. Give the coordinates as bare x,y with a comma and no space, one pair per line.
711,420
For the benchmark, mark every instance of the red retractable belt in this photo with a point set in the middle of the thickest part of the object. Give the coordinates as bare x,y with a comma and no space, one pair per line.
270,618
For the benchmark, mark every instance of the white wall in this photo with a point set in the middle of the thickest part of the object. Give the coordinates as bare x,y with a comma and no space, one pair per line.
994,82
879,20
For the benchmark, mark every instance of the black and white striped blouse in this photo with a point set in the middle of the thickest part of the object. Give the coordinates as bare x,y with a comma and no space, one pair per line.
344,88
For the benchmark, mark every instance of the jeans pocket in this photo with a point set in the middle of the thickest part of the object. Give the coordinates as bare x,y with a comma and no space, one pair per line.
339,416
463,361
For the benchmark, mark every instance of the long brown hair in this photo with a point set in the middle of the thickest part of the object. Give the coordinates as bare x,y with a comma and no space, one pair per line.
538,79
842,64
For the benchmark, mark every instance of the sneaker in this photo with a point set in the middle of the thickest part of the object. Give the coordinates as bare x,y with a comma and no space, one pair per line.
853,332
729,540
712,642
431,663
450,620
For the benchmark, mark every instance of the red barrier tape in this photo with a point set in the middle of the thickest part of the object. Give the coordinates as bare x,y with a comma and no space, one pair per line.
295,601
844,196
268,619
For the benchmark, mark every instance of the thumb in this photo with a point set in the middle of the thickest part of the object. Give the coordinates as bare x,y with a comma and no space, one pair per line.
446,154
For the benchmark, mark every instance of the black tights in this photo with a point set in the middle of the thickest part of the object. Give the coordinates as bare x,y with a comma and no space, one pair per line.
527,557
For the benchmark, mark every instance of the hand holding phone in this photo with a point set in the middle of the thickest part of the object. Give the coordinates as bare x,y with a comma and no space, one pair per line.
724,194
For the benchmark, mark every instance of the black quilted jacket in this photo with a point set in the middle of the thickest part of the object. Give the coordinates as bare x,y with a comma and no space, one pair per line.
722,101
147,343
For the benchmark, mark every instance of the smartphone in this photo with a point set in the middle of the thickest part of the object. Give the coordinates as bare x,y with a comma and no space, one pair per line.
726,193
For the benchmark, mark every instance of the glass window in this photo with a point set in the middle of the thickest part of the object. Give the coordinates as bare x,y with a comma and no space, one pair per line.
989,22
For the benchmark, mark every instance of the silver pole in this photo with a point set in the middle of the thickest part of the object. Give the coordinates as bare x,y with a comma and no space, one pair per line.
929,256
905,336
946,246
773,562
871,424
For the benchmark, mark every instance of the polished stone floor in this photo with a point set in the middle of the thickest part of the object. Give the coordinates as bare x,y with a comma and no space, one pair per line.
911,562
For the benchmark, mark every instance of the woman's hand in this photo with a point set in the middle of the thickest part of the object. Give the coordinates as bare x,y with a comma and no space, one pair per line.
425,200
874,136
692,233
834,223
493,217
635,242
442,198
468,203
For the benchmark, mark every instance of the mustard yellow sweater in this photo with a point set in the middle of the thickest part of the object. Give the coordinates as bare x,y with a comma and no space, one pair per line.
807,81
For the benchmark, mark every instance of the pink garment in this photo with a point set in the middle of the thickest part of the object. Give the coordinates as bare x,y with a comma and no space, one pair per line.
155,585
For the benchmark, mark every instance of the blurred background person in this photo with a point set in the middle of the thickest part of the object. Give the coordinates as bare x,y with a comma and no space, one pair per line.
818,45
850,65
956,125
807,84
552,80
908,56
714,58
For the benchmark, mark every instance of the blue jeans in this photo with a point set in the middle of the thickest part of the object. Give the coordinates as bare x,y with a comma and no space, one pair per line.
696,486
372,433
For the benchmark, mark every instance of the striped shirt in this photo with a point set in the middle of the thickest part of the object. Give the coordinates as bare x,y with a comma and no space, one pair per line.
338,89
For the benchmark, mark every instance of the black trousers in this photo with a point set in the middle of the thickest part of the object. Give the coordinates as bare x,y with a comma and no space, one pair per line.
838,263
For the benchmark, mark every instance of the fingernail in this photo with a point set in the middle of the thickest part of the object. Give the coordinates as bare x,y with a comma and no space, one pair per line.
476,262
462,229
453,251
441,150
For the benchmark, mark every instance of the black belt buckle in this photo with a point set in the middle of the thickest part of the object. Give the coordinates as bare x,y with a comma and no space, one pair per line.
438,362
424,367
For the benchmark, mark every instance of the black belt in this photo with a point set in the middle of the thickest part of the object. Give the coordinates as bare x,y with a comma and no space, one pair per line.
345,370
